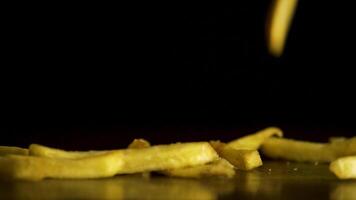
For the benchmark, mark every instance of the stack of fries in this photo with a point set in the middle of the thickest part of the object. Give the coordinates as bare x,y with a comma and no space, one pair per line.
192,160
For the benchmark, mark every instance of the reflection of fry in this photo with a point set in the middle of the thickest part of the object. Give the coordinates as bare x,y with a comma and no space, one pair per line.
344,191
43,151
166,189
252,183
139,144
257,185
123,187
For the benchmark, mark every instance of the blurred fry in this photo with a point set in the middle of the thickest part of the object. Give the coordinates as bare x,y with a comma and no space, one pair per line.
44,151
279,23
343,146
294,150
344,168
242,159
4,150
139,144
160,157
254,141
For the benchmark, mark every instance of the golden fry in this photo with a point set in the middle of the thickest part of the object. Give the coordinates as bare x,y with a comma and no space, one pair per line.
344,168
254,141
295,150
343,146
43,151
217,145
4,150
160,157
220,167
140,144
242,159
279,23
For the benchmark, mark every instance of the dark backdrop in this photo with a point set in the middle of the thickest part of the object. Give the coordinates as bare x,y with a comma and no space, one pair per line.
96,76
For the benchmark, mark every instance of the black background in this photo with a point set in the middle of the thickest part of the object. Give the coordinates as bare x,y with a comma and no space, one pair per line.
91,76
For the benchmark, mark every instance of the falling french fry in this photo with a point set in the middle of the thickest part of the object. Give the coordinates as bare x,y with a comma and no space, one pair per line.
279,22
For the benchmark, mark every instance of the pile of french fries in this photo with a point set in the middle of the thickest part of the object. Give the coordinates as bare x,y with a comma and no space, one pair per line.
191,160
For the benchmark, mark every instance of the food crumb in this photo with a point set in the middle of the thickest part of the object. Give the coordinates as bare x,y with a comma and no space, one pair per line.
295,169
269,169
316,163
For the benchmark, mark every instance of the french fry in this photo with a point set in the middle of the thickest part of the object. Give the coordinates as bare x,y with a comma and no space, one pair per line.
337,139
242,159
217,145
279,22
220,167
254,141
37,168
140,144
344,168
343,146
4,150
44,151
160,157
295,150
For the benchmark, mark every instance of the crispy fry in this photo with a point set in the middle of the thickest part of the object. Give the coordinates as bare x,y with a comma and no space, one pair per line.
37,168
298,150
242,159
220,167
43,151
242,152
217,145
160,157
254,141
344,168
4,150
140,144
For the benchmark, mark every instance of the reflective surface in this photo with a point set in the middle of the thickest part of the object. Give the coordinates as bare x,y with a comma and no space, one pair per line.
274,180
